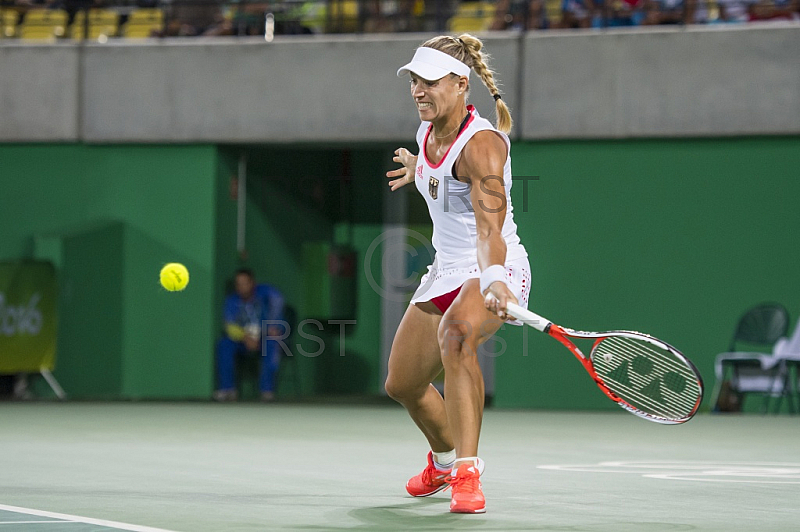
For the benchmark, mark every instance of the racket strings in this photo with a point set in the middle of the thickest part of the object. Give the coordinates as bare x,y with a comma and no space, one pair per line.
655,376
673,370
650,398
655,384
647,377
651,392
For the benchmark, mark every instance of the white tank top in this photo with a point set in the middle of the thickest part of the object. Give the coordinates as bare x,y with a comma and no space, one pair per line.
455,234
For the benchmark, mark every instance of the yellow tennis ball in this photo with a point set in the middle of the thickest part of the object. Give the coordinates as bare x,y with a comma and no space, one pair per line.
174,276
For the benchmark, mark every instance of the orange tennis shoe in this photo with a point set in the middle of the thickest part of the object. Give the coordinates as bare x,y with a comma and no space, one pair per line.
467,490
430,481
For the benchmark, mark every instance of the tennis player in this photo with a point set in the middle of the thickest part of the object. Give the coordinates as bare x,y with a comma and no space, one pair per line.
463,171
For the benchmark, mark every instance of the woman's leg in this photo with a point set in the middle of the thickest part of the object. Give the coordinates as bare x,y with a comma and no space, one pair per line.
413,363
465,325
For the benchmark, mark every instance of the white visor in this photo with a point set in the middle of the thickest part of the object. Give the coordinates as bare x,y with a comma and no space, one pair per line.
430,64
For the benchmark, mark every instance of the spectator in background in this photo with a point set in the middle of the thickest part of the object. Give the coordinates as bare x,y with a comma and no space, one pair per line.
244,313
665,12
577,13
520,15
190,18
618,13
734,10
764,10
696,12
377,19
406,18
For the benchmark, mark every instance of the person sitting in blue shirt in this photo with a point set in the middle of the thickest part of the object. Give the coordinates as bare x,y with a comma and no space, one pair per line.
244,313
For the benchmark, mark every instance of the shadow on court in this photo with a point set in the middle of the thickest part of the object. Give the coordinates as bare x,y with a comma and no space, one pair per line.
414,515
407,517
411,516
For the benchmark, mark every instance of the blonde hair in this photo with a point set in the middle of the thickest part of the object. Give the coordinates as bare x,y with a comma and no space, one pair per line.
467,49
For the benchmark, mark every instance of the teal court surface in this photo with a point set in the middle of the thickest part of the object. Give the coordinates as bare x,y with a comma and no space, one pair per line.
195,467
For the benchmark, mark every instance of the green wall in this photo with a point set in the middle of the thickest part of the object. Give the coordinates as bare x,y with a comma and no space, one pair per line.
90,346
128,209
358,371
671,237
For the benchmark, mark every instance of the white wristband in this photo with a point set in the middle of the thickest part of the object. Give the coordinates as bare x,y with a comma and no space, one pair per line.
495,272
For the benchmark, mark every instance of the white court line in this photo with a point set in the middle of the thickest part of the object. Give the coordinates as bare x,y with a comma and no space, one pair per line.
30,522
697,471
79,519
725,480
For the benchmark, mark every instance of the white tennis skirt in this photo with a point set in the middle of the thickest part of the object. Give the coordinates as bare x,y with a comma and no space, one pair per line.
439,281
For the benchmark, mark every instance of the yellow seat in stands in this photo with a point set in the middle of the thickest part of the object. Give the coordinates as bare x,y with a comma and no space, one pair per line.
103,23
343,16
9,18
43,25
472,17
142,23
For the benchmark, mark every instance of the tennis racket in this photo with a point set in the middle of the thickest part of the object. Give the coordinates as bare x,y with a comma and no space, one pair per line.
642,374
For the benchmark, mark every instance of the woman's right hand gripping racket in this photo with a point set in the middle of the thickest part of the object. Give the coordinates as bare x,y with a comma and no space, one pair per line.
645,376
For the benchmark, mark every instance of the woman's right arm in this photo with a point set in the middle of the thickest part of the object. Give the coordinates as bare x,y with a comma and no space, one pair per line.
405,174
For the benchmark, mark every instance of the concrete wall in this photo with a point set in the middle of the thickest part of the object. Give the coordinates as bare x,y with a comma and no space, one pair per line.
38,92
234,91
698,81
665,82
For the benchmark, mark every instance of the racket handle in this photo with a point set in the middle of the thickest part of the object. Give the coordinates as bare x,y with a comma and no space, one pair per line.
528,317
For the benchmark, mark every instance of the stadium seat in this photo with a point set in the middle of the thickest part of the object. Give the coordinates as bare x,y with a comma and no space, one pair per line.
103,23
741,372
9,19
791,358
142,23
552,10
43,24
343,16
472,17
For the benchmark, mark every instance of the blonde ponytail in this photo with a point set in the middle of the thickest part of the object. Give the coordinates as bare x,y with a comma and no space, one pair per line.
480,66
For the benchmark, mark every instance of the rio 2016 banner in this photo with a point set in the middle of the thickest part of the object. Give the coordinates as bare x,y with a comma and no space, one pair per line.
28,317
